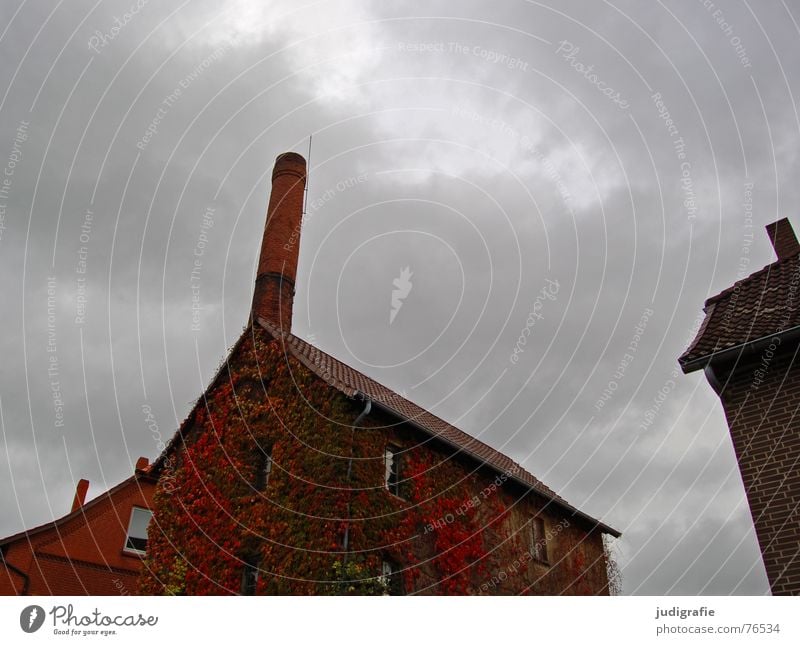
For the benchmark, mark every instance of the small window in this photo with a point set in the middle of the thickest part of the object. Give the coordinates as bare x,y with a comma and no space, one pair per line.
250,575
538,540
264,468
136,539
392,471
391,578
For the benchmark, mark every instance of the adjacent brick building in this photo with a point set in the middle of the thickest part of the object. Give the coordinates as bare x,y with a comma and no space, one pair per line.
295,473
748,348
96,549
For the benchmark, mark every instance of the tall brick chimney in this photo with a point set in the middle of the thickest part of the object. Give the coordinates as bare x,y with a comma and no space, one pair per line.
277,266
783,239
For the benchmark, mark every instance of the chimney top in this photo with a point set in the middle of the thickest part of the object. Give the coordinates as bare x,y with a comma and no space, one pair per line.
141,464
289,162
80,494
783,239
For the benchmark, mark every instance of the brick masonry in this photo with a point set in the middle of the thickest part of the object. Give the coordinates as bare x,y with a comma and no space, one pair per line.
761,399
783,239
277,266
80,553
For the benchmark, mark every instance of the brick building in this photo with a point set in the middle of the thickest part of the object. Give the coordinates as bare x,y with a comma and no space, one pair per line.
96,549
296,474
748,348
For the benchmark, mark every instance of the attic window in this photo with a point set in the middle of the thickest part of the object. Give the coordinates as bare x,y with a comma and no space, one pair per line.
263,468
250,575
391,477
136,539
538,538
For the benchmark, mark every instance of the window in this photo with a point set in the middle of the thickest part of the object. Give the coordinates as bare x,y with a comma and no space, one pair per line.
391,578
392,472
136,539
264,468
250,575
538,539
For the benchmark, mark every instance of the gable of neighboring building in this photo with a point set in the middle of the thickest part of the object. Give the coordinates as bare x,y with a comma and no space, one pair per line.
81,552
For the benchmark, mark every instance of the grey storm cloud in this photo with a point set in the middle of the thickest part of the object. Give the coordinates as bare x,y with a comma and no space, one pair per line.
489,149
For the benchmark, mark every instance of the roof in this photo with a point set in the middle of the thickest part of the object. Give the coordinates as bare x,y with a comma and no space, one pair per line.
79,512
760,306
353,383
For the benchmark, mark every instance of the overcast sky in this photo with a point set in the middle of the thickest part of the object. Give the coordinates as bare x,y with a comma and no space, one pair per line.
494,149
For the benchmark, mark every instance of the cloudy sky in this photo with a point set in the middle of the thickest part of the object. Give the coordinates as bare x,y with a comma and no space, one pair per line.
600,151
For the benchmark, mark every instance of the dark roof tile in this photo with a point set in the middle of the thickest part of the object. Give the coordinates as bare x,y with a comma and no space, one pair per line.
761,305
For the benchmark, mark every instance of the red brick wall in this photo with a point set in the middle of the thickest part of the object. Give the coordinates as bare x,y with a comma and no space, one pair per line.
84,554
12,583
783,239
761,403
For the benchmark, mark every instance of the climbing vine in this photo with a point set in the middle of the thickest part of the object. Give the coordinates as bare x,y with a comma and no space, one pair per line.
451,529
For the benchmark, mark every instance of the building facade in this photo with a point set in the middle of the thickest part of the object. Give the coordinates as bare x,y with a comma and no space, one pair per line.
748,346
96,549
296,474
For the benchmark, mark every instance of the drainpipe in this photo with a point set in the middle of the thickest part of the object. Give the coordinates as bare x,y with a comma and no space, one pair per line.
367,409
712,378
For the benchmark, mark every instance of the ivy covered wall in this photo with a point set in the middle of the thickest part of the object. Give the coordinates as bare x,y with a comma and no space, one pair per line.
456,527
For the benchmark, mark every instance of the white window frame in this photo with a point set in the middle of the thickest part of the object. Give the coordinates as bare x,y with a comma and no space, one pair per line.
391,470
125,547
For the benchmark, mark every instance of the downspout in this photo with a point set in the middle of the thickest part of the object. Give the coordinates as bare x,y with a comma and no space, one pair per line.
713,380
367,409
19,572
